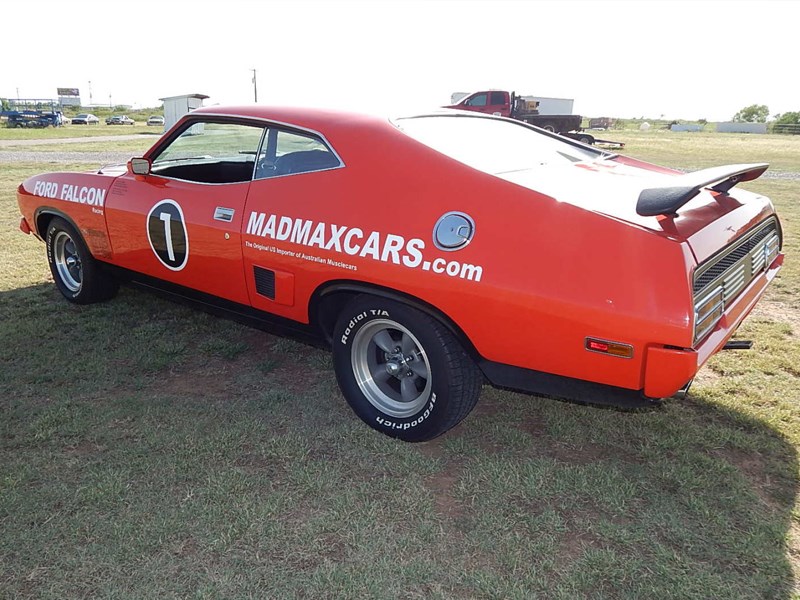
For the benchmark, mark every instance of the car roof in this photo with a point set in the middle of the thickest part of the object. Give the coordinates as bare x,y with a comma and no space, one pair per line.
308,118
330,122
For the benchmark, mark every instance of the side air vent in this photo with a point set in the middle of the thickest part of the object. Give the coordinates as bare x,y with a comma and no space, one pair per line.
265,282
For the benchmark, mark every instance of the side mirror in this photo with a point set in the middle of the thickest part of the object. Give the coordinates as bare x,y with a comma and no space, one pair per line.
139,166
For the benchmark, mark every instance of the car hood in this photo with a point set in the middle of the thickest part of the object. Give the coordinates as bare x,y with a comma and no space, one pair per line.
611,188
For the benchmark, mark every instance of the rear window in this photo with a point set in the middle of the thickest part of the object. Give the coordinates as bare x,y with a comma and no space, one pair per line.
492,145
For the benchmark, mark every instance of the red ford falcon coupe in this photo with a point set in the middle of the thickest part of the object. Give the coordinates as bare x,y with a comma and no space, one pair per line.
433,253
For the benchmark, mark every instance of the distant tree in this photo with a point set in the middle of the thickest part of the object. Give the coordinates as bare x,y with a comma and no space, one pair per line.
789,118
755,113
787,123
4,103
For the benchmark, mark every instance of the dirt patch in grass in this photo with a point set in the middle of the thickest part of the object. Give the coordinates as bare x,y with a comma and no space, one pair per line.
753,467
584,453
84,448
202,376
442,485
779,312
573,546
706,376
535,426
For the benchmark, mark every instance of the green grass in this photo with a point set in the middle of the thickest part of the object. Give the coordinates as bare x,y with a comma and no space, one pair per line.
149,450
691,150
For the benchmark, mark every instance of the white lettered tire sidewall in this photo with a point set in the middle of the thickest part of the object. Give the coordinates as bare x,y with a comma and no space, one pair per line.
95,284
56,228
437,413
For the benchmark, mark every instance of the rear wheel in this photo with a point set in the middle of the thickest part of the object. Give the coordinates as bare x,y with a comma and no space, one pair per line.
77,275
548,127
402,372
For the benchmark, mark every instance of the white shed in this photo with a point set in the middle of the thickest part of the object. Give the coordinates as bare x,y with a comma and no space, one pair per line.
731,127
177,106
553,106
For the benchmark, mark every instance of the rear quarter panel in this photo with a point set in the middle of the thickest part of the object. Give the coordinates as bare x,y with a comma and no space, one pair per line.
550,273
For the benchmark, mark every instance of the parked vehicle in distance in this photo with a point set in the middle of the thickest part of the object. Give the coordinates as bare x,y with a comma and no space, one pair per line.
155,120
601,123
505,104
432,252
120,120
32,113
85,119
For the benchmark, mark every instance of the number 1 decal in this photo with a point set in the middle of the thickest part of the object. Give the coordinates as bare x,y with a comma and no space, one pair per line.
167,218
166,232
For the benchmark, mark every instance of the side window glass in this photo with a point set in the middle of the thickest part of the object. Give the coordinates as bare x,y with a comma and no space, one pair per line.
211,153
497,98
479,100
289,152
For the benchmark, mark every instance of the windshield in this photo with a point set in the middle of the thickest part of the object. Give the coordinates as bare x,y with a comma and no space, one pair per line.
494,146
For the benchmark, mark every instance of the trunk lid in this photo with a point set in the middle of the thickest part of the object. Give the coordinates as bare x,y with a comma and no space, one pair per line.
708,220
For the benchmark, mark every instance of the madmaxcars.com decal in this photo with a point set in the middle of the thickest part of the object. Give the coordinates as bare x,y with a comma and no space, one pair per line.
353,241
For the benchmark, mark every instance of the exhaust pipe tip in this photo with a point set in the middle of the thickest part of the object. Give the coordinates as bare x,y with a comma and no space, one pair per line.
682,393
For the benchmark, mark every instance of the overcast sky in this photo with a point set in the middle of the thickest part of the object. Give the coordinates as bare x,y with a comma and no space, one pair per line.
680,59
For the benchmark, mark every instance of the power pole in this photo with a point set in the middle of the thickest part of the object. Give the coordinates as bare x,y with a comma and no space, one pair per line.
255,87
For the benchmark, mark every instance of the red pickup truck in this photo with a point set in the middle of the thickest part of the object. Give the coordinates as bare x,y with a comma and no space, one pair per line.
505,104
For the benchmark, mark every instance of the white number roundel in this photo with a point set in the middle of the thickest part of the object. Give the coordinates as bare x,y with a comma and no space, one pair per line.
166,232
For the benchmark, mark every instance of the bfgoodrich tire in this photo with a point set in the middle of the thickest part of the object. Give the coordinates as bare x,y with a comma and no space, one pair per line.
402,372
77,275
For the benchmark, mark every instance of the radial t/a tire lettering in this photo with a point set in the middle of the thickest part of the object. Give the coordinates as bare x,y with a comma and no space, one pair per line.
402,371
77,275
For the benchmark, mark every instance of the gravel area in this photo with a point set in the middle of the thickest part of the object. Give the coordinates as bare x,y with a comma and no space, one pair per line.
90,158
94,138
789,175
93,158
782,175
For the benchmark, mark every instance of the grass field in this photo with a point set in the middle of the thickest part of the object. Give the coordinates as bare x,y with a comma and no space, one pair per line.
148,450
76,131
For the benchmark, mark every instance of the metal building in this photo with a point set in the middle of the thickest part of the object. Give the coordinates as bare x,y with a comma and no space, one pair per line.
177,106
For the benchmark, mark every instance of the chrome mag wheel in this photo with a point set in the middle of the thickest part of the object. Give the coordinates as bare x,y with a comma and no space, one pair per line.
67,261
391,368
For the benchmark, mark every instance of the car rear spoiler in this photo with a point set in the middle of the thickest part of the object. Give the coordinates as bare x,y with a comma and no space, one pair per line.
667,200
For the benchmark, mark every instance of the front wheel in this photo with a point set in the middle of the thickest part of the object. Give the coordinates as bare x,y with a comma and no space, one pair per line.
77,275
402,372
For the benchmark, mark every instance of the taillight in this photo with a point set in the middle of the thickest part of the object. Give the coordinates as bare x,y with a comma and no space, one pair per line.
707,311
617,349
